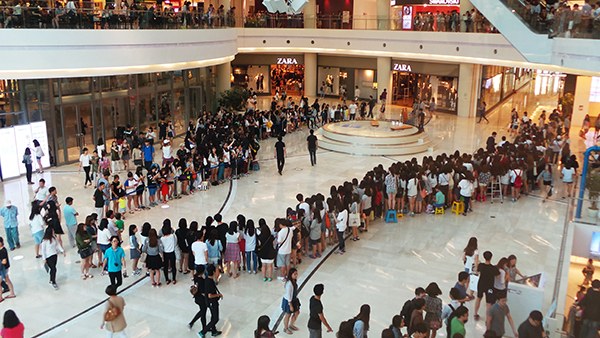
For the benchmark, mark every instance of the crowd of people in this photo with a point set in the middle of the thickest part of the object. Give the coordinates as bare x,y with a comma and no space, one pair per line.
452,21
558,18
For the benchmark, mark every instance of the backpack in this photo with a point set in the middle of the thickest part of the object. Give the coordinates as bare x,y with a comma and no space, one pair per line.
518,181
452,315
378,196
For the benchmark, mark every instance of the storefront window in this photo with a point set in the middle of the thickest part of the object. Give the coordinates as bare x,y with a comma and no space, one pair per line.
75,86
146,80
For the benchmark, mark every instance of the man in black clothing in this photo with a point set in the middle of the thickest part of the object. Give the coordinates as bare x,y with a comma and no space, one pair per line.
199,297
487,273
162,129
212,300
482,113
490,144
316,316
280,154
532,326
372,104
591,314
421,117
312,143
409,307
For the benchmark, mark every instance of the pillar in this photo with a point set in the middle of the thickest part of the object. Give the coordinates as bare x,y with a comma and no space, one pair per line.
310,14
223,78
310,74
581,101
383,15
465,6
384,76
468,89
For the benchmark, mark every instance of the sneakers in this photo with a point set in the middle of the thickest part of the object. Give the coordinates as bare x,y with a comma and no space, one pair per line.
200,334
54,286
281,278
214,334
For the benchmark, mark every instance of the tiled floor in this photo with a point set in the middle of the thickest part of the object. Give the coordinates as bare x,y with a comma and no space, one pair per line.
381,269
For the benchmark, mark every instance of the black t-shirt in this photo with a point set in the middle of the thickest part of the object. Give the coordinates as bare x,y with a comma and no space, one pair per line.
162,127
210,288
312,141
526,330
3,256
201,283
487,273
316,308
98,198
279,146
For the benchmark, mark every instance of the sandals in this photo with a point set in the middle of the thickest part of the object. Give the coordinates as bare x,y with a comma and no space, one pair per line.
90,276
10,296
84,277
174,282
293,328
236,275
288,331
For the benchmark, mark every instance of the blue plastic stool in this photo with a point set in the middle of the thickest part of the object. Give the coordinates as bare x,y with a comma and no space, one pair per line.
391,216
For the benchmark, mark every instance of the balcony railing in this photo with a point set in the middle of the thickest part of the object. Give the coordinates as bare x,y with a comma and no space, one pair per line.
150,18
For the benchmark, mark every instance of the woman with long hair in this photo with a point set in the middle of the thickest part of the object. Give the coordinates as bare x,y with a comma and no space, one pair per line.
546,176
232,251
103,239
181,235
471,256
267,252
36,223
134,249
169,242
92,229
153,247
50,248
53,220
39,153
433,307
12,326
215,251
250,246
84,247
115,156
28,162
511,268
361,321
262,328
466,186
314,236
290,303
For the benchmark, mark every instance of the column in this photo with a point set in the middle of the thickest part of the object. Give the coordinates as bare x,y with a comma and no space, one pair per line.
383,14
581,101
468,88
384,76
465,6
310,14
310,74
223,78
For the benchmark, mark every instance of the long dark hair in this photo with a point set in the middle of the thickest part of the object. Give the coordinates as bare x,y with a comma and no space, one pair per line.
145,229
10,319
183,224
292,280
263,324
131,229
103,224
81,229
232,227
49,234
471,246
364,315
250,227
213,236
152,238
35,210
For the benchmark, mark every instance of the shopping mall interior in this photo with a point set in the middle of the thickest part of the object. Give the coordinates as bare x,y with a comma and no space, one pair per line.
379,82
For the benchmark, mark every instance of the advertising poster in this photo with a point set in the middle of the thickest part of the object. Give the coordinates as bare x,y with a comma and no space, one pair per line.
8,154
23,140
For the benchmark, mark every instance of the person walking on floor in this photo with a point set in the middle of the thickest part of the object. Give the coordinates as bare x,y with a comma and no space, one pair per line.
114,261
71,221
482,113
199,297
312,143
280,154
28,165
116,327
11,224
212,300
316,316
49,249
85,162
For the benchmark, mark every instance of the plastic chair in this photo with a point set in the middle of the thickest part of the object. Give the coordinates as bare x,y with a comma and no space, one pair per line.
391,216
458,207
439,210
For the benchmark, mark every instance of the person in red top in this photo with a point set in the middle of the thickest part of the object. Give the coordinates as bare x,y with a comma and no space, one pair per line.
12,327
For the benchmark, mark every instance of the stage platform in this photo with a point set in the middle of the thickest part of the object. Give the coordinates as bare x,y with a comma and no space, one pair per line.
362,138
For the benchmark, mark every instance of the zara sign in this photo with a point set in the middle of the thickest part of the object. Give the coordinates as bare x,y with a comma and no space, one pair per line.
402,67
287,61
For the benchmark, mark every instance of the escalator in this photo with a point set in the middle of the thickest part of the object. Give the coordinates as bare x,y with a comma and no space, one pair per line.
538,41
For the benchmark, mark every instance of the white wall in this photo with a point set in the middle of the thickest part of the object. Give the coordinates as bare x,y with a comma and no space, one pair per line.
54,53
365,14
322,76
581,102
360,76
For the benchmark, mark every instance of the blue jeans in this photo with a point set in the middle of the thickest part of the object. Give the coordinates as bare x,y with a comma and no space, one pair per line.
589,329
12,236
254,260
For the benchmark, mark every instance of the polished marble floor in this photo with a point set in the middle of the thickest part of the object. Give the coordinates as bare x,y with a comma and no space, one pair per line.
382,269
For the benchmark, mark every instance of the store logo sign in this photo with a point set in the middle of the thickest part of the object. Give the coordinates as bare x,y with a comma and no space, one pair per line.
287,61
402,67
444,2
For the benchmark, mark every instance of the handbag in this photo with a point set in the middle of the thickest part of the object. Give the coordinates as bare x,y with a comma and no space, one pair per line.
435,325
296,304
112,313
194,289
177,249
87,252
143,257
423,192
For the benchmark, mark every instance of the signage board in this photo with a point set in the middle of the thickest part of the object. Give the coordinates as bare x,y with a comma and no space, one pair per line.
402,67
407,17
444,2
287,61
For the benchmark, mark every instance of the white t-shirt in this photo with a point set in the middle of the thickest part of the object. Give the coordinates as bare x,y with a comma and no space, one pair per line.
352,108
103,237
342,220
514,173
42,193
85,160
250,242
304,206
285,247
130,186
466,188
411,187
232,238
470,261
37,224
166,152
169,243
568,175
199,248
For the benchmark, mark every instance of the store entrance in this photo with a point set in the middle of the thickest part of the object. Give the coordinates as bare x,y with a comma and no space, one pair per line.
403,85
289,78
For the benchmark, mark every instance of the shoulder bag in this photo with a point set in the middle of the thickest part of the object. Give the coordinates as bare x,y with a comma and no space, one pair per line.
423,192
112,313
